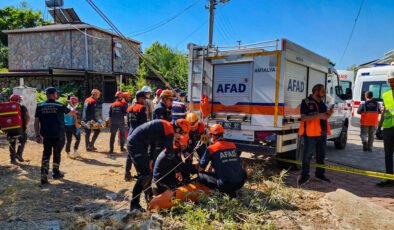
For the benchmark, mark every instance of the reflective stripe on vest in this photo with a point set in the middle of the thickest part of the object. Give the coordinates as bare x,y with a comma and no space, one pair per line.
312,127
389,109
370,118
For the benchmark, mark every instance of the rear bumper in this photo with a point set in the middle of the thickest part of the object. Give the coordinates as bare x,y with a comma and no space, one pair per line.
256,149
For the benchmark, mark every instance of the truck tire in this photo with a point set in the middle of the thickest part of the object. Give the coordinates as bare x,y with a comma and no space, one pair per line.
291,155
341,141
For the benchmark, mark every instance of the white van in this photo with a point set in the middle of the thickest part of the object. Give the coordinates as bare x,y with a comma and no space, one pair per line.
369,79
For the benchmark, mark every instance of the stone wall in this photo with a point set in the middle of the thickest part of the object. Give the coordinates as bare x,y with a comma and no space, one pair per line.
34,82
66,49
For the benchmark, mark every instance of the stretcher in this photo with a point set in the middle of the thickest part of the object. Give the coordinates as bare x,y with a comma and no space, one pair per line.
189,192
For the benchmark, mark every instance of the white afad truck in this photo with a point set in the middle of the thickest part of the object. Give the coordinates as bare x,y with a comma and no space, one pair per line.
255,92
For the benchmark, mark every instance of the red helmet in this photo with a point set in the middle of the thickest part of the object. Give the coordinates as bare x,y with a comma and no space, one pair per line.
118,94
216,129
159,91
15,97
126,94
182,125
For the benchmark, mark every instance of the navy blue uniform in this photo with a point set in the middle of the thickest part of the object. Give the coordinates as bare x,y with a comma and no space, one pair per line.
89,114
162,112
178,109
51,116
137,146
164,165
136,116
229,175
117,112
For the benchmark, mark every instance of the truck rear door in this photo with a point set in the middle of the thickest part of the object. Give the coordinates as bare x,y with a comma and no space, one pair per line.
232,84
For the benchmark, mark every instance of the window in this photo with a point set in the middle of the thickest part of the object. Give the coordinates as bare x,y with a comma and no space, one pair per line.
376,87
346,85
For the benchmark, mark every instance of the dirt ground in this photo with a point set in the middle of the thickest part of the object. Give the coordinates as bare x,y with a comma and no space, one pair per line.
95,180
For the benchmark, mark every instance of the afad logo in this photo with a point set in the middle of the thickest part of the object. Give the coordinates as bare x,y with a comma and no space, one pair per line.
232,87
295,86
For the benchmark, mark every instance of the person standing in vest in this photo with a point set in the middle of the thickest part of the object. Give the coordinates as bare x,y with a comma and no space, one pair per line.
72,127
369,120
156,100
314,128
387,122
136,116
89,115
49,125
117,113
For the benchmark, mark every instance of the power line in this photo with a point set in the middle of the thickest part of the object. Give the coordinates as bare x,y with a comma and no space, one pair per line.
193,32
163,22
351,33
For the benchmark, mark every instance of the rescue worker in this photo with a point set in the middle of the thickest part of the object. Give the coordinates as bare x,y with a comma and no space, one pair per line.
137,146
49,125
136,116
156,100
117,113
167,169
229,176
127,98
314,128
196,131
72,127
387,122
369,120
16,154
163,109
88,115
178,106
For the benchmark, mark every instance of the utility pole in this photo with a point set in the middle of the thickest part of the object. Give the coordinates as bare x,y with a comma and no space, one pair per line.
212,4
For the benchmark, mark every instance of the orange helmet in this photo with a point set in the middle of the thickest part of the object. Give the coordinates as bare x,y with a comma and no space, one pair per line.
216,129
181,141
181,125
126,94
192,118
167,94
118,94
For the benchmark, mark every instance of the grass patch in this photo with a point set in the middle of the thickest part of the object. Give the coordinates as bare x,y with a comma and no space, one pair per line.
250,210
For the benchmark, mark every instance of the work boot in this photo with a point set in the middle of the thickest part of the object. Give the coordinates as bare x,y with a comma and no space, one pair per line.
44,180
13,161
302,179
323,178
128,177
369,149
123,150
19,158
136,208
385,183
365,146
111,151
57,176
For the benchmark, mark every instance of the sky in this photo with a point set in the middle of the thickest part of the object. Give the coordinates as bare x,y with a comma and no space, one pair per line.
323,26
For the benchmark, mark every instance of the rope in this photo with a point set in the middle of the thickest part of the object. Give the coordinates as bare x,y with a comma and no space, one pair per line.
161,178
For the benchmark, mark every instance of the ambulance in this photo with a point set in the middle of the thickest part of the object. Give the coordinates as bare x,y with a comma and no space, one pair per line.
369,79
255,92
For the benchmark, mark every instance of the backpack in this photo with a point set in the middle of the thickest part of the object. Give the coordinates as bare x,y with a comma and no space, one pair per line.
11,118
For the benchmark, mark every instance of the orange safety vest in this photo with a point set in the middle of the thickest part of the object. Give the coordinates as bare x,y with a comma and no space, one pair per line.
370,116
312,127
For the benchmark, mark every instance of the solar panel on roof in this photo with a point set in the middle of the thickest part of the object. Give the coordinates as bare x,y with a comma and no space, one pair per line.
64,16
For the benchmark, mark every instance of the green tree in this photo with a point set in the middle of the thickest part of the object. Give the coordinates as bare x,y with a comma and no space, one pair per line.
171,64
12,18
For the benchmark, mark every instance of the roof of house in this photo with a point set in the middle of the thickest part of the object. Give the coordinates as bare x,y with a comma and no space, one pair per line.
65,27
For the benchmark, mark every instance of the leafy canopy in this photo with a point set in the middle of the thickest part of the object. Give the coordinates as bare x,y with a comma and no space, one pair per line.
170,63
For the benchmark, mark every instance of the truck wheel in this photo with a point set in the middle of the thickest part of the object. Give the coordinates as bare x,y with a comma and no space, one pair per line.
341,141
291,155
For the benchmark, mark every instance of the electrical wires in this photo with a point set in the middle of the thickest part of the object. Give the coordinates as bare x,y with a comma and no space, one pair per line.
351,33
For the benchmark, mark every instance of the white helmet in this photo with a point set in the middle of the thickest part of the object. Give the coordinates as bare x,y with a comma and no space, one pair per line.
390,75
146,89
